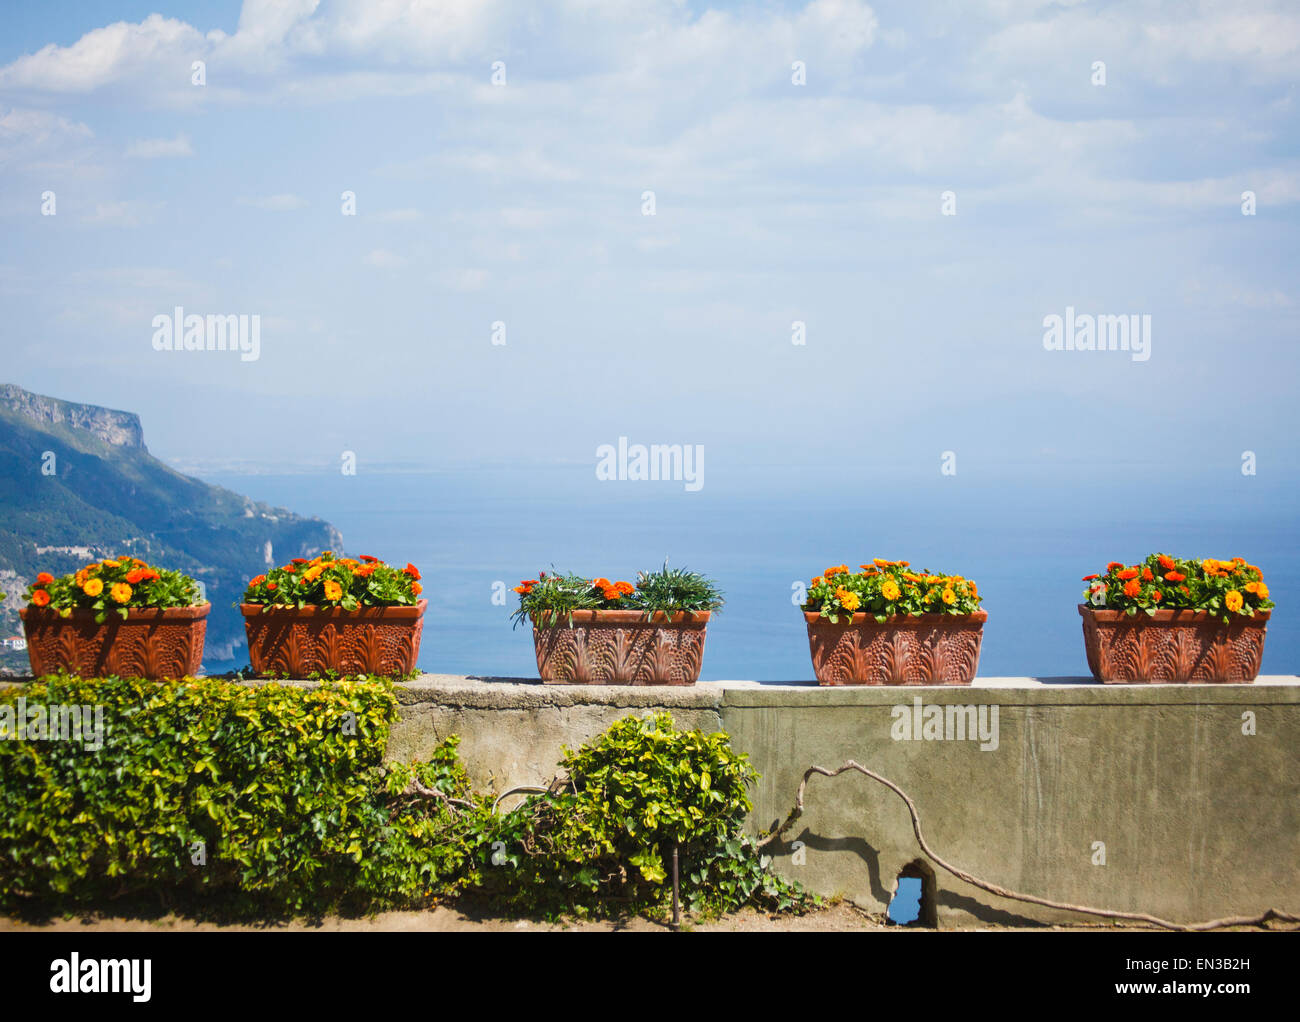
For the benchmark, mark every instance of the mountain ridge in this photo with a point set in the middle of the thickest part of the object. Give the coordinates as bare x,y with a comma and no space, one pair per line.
84,486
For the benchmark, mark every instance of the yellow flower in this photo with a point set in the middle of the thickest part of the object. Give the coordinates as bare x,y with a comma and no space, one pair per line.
313,573
949,597
333,591
1233,600
889,589
848,599
121,592
93,587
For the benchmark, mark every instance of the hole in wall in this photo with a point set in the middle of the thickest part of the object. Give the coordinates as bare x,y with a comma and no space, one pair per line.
913,903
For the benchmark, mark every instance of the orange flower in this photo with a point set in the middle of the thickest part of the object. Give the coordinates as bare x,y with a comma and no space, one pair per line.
600,583
44,578
135,576
369,560
1113,565
93,587
816,582
1089,578
416,588
1233,600
1156,595
1129,573
1174,576
1262,592
121,592
413,571
613,594
880,562
1166,562
841,569
40,597
949,597
255,581
272,586
1147,576
333,591
1132,587
523,590
626,588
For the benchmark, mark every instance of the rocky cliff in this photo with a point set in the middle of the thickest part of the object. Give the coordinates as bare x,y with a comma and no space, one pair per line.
80,485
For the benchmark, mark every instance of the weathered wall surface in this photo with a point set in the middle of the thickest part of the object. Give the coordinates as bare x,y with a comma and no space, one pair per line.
1198,819
513,732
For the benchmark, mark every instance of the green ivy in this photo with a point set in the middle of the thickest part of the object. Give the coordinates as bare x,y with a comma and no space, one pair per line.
270,799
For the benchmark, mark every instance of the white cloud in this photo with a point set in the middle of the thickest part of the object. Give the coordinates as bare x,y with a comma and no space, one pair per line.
159,148
384,259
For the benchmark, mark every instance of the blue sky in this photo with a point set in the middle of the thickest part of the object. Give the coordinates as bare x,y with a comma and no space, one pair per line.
522,203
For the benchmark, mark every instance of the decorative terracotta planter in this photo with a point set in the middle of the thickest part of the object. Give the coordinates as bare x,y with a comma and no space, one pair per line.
289,642
622,647
1172,646
925,649
148,644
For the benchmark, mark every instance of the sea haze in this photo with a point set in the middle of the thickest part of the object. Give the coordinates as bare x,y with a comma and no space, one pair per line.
1026,542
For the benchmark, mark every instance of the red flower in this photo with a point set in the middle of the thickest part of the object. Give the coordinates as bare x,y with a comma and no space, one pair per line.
1129,573
1089,578
300,560
40,597
1132,587
1147,576
272,585
135,576
413,571
44,578
1113,565
369,560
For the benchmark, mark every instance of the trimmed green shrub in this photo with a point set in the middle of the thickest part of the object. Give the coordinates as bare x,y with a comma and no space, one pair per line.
273,799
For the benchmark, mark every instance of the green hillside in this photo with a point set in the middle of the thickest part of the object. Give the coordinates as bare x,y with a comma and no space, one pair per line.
107,495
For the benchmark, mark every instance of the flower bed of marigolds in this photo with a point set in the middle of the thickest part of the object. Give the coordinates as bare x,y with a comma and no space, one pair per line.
591,631
116,616
213,797
1169,619
334,614
889,625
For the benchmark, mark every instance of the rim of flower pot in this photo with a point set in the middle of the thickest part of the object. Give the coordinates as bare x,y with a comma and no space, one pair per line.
690,617
1179,614
396,611
133,614
974,617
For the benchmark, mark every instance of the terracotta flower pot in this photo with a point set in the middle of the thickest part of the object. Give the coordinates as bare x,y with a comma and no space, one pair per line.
150,643
1172,646
287,641
622,647
923,649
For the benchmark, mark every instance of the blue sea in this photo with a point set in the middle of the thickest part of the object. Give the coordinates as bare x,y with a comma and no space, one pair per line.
1027,543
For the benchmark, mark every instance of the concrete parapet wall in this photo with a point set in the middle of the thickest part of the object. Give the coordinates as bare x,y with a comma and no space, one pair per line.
1198,819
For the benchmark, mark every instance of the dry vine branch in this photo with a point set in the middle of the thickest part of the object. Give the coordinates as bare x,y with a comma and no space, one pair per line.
416,788
1003,892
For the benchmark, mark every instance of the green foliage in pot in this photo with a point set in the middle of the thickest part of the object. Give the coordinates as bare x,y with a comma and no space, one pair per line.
550,599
